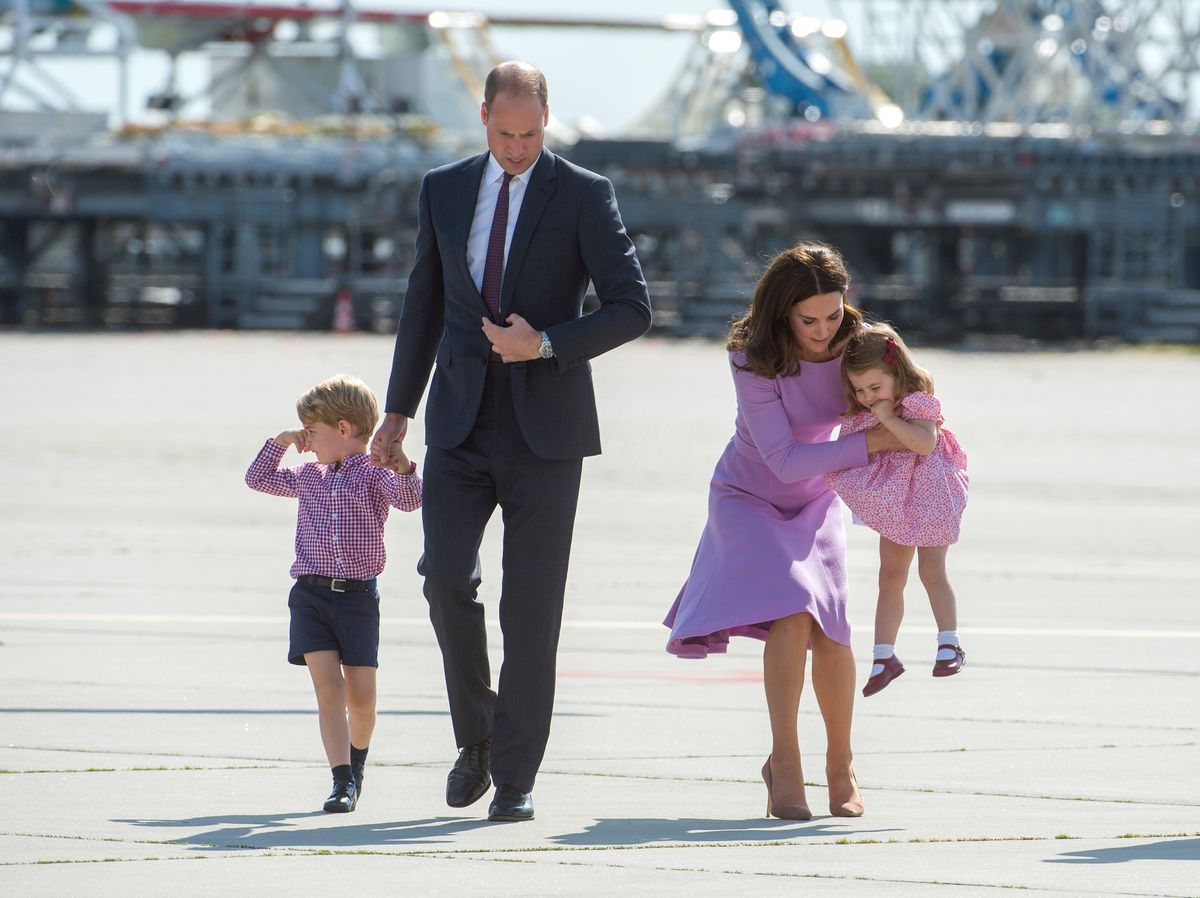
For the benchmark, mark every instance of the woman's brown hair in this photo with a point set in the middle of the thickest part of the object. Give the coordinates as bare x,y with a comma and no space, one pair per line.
763,334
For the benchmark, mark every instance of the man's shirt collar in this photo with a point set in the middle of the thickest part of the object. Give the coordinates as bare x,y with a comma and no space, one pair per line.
495,171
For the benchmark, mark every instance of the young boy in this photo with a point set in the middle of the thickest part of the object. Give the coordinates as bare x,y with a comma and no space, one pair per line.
334,604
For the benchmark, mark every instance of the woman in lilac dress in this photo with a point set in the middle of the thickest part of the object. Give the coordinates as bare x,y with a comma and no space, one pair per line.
771,560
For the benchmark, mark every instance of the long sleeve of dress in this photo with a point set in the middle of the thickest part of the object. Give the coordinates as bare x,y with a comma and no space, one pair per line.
766,420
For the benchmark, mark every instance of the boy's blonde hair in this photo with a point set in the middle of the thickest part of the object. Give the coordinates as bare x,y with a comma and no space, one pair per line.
340,398
879,346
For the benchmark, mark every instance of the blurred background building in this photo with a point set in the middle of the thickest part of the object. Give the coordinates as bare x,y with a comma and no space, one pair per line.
1002,166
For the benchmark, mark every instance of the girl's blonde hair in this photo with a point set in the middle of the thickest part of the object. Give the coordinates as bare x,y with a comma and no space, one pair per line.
879,346
340,398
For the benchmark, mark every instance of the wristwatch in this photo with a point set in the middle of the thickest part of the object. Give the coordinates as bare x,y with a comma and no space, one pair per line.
546,350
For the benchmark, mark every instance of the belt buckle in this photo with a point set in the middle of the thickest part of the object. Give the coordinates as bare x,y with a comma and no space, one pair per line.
336,585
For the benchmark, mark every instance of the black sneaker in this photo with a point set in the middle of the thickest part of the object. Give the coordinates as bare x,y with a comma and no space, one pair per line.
342,799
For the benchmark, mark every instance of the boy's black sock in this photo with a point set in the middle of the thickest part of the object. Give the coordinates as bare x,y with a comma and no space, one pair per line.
343,774
358,760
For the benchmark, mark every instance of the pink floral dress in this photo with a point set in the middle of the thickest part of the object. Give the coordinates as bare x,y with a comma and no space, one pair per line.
913,500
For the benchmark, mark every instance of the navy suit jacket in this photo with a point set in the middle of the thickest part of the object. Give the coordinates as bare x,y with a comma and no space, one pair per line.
568,232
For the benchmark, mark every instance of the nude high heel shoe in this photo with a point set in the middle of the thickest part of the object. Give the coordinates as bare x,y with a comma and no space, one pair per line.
782,811
852,806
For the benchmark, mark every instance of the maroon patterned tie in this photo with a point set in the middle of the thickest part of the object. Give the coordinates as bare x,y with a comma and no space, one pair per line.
493,267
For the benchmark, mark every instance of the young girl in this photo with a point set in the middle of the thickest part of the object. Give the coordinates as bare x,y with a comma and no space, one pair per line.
914,500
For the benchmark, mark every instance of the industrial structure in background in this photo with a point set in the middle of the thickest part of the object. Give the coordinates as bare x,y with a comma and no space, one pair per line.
1014,166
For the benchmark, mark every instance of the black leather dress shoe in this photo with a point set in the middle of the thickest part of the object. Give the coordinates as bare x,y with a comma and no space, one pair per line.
469,778
342,799
511,803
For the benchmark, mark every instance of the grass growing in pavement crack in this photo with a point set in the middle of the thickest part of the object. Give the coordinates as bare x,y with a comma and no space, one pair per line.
105,860
775,843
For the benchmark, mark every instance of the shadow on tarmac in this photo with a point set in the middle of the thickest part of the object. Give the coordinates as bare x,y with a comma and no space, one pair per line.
642,831
235,832
239,832
1167,850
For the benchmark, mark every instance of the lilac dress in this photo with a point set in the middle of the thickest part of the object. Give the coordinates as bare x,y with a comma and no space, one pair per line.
774,544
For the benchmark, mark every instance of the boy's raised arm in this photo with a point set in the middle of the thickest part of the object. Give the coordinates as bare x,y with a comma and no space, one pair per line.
264,473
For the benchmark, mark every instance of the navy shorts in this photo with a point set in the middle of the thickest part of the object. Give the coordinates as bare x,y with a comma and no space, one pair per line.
342,622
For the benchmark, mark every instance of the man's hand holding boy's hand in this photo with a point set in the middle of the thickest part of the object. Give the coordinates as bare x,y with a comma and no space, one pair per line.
389,440
399,462
297,438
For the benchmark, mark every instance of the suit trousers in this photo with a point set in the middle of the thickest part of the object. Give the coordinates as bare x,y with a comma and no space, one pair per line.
537,499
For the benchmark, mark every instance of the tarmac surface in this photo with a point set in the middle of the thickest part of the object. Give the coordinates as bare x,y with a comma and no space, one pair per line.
149,720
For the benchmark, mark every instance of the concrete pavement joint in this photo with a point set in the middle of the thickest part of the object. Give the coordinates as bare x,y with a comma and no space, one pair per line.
888,754
62,836
706,779
306,762
246,850
877,788
494,855
101,860
597,774
211,712
909,716
773,843
144,769
582,624
952,884
845,878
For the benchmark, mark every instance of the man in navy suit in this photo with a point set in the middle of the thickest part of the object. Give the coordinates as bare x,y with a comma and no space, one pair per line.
507,244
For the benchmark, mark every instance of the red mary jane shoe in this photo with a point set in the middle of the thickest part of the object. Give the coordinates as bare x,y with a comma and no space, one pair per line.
950,666
892,668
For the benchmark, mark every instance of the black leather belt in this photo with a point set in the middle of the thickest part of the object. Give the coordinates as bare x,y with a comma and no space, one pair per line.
337,585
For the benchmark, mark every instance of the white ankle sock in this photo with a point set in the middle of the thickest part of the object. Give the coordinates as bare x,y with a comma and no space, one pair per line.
946,637
882,652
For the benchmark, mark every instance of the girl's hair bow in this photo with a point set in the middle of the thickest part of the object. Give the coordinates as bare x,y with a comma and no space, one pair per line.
889,354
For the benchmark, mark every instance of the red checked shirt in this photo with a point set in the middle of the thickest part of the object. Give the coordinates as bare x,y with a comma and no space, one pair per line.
343,507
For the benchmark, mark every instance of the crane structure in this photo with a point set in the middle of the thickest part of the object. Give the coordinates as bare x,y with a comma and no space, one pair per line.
1087,63
1092,63
986,164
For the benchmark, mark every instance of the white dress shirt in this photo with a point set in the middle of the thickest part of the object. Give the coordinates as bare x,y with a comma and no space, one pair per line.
485,210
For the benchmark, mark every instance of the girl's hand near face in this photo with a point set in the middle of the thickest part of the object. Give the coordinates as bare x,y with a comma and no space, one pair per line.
884,409
918,436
